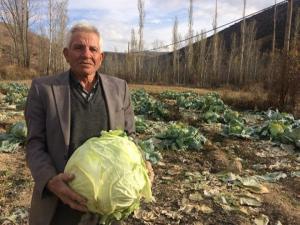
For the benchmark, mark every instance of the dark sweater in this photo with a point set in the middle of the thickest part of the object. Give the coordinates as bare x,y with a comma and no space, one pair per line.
88,116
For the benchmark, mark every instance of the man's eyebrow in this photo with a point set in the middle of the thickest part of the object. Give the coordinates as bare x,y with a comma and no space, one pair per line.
81,44
78,43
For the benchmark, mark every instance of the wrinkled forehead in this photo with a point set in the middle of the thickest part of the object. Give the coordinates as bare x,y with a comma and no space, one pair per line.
83,37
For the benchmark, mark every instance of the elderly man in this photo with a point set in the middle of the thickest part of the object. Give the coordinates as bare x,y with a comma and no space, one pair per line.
61,113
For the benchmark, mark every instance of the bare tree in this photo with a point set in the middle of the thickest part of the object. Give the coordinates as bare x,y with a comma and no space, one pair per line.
295,39
250,53
243,27
175,40
271,67
202,58
60,29
50,26
15,16
189,55
274,28
57,24
215,44
141,6
153,68
132,54
232,55
284,84
42,51
23,31
288,26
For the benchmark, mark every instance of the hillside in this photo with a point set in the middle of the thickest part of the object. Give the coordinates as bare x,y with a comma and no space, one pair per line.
264,32
264,25
36,42
5,45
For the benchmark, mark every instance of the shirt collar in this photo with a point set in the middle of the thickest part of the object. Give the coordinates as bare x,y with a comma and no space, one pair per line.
75,82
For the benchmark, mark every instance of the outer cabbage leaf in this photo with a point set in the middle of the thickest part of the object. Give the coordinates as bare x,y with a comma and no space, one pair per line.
292,136
19,130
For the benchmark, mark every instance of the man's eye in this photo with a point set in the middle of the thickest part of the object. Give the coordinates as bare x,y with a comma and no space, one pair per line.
93,49
77,47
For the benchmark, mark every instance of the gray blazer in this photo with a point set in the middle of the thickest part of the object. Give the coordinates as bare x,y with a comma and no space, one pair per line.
47,114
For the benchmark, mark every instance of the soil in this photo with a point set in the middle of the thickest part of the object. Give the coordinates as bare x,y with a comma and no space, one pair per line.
173,187
282,203
188,186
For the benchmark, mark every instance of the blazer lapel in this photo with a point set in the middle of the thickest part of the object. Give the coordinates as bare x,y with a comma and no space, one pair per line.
61,90
108,95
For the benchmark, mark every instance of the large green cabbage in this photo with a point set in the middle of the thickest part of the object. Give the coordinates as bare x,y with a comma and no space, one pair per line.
110,173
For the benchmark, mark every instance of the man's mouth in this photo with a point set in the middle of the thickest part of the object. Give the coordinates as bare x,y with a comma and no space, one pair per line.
85,63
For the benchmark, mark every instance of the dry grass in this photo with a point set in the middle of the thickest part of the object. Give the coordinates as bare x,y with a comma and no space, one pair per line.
252,99
156,89
14,72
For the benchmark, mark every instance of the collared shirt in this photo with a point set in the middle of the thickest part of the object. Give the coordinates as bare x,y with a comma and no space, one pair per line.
78,87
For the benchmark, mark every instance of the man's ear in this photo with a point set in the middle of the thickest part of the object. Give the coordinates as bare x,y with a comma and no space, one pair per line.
102,57
66,54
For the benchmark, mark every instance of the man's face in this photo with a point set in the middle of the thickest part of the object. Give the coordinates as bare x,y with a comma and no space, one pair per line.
84,54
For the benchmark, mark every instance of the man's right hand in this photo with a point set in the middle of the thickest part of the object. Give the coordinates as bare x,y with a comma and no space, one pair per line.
59,186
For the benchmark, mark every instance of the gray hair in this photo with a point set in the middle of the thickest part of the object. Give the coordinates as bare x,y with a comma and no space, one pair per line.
83,27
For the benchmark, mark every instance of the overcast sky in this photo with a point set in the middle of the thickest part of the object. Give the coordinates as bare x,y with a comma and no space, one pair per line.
116,18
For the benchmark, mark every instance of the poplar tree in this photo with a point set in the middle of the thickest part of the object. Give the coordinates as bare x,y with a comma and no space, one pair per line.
175,40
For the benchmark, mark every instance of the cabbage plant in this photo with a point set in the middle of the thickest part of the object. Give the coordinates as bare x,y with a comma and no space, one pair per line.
111,174
19,130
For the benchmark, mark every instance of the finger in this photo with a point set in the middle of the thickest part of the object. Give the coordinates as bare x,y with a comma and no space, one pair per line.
66,177
64,191
75,196
74,205
56,184
79,207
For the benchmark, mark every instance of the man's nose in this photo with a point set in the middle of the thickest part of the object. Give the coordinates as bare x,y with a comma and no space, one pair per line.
86,52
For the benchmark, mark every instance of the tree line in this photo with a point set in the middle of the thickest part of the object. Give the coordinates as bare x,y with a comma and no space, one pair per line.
199,61
203,61
47,19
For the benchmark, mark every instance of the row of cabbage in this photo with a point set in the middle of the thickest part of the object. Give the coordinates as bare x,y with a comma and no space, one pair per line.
153,120
210,108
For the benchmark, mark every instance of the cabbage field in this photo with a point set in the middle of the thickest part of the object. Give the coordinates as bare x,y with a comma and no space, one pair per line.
213,164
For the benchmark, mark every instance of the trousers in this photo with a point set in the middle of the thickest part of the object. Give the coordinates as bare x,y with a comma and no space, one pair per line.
64,215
